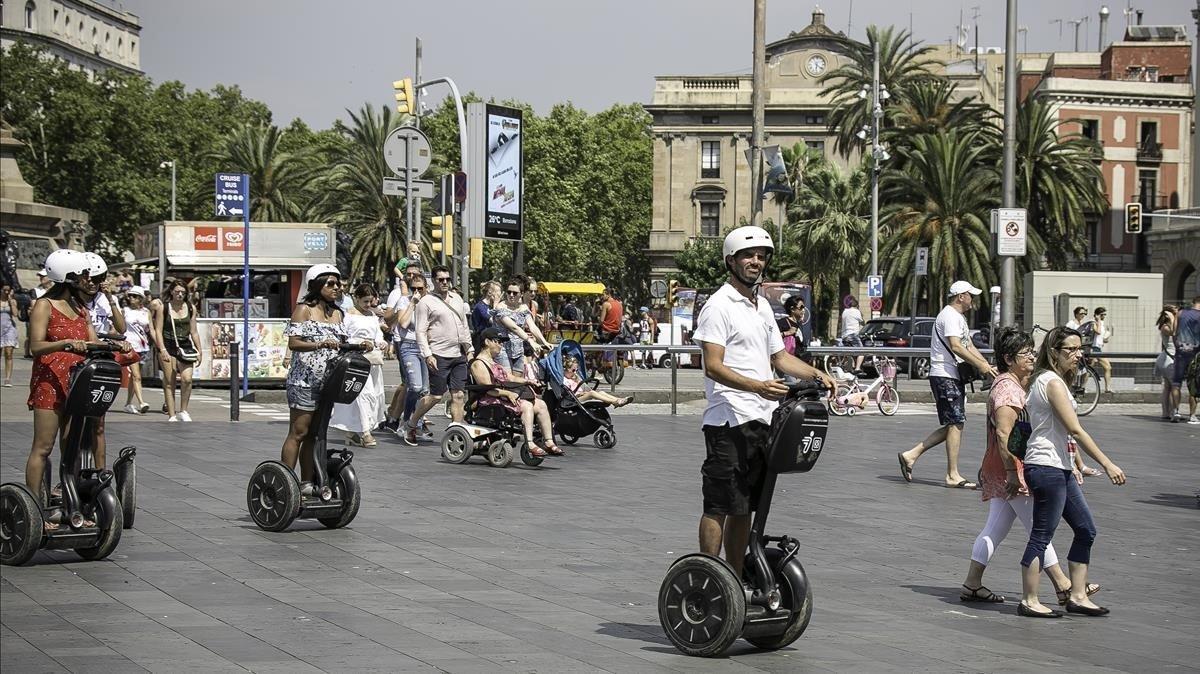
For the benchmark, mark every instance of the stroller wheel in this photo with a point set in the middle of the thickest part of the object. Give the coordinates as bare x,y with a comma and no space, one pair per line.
605,438
568,439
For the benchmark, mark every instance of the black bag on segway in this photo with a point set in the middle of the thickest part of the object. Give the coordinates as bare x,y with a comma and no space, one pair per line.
94,385
345,377
798,429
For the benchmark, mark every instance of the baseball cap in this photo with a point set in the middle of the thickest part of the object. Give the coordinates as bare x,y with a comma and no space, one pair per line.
43,272
995,290
136,290
960,287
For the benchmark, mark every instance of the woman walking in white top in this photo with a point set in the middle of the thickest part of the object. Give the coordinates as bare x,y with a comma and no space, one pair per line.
361,416
137,333
1051,478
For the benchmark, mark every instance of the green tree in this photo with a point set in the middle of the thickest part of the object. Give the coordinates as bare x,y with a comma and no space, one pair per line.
277,177
942,200
903,64
700,264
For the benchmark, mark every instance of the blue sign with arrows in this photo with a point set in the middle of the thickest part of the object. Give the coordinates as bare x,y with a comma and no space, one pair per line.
230,195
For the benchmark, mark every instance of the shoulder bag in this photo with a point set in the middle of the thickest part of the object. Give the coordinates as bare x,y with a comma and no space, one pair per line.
967,372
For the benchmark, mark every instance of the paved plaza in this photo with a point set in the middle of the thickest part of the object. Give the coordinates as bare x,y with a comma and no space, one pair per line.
475,569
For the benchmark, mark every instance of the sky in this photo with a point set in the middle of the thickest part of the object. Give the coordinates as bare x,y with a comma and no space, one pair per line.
314,59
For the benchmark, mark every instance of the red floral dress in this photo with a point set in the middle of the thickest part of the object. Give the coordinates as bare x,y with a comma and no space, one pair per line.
52,371
993,478
499,378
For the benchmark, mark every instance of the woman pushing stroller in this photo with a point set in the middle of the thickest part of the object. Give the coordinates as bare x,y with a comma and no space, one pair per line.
486,370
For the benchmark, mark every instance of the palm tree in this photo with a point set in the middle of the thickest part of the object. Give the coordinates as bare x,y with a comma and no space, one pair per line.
929,107
829,233
902,65
942,199
354,202
1058,181
277,178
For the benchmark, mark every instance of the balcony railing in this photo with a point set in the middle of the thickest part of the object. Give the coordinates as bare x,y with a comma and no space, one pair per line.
711,83
1155,202
1149,151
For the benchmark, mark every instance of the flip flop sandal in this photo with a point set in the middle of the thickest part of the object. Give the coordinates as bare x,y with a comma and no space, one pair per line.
962,484
905,469
1065,595
980,594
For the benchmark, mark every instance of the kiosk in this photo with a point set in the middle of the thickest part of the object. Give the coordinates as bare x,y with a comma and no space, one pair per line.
280,252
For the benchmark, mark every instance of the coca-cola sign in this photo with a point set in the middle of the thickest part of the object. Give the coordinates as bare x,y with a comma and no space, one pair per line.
233,239
205,238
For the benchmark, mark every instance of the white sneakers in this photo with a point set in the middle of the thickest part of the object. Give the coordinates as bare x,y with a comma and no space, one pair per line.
132,409
1194,419
182,416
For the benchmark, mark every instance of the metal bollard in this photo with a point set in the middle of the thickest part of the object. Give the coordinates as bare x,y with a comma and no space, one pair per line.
234,378
674,380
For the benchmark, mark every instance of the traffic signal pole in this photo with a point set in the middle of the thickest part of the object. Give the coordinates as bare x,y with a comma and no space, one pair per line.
1008,264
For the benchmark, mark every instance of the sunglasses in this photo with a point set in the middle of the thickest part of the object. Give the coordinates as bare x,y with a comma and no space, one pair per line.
442,279
333,283
513,292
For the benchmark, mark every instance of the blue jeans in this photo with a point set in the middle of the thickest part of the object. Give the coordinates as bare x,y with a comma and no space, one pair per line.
1057,496
414,373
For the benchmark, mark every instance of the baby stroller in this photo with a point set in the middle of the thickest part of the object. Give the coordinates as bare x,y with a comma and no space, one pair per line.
573,419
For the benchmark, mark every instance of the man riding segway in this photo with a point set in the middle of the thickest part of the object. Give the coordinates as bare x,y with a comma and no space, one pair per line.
757,593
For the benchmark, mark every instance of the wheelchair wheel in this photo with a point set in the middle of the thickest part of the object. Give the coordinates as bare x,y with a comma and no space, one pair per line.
701,606
888,399
500,453
457,446
109,515
605,439
273,496
529,459
20,525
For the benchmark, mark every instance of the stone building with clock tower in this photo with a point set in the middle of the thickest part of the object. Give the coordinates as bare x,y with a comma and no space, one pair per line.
702,126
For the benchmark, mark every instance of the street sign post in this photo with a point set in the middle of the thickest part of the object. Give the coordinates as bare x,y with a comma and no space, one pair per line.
1009,226
658,289
232,198
408,154
874,286
876,304
922,262
421,189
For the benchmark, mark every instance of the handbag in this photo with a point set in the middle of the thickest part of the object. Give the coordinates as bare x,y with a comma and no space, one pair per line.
1018,438
189,354
967,372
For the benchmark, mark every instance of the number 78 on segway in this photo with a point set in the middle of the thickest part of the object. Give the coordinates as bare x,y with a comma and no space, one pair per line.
705,602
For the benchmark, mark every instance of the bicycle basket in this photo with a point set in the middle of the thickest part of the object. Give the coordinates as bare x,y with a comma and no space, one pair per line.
888,370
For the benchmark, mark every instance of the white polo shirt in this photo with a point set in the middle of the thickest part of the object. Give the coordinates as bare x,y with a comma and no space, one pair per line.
750,337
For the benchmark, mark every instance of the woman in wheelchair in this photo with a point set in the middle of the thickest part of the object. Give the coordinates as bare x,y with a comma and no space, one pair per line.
486,371
584,394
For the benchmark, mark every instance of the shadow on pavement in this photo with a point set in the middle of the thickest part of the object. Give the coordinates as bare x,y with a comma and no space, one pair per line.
949,595
1189,501
649,633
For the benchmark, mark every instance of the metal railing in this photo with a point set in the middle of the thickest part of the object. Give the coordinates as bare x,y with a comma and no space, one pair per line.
816,351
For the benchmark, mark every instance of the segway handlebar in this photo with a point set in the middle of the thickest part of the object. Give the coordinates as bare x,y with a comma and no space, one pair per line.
806,389
351,347
111,337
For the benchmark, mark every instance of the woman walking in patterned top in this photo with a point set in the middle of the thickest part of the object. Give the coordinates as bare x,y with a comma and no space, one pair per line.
59,332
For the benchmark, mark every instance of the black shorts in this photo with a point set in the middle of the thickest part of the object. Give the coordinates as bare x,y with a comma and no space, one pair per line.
451,373
734,467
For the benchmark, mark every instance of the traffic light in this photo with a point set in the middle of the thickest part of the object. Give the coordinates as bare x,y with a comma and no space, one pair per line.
404,95
475,258
672,285
1133,218
443,234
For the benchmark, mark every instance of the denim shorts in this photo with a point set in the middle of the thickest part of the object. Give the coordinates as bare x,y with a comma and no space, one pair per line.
512,356
302,398
413,370
950,395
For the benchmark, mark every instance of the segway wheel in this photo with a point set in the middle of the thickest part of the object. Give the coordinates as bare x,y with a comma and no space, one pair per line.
836,408
347,489
457,446
888,400
529,459
125,471
605,439
20,525
701,606
111,517
500,453
568,439
273,496
797,598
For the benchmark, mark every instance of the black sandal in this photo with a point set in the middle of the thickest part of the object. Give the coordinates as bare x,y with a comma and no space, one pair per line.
1065,595
980,594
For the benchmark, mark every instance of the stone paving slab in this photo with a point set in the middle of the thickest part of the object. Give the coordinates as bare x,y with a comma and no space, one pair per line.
470,568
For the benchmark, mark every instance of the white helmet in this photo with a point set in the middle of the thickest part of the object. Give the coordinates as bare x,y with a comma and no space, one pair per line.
63,262
95,264
319,270
746,237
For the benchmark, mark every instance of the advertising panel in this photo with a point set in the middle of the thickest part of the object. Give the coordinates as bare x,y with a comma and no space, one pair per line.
268,348
503,167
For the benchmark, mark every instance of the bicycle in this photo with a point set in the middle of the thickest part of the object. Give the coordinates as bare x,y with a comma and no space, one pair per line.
1086,388
851,396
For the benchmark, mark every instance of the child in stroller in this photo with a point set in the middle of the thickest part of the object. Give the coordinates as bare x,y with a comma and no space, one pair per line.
576,409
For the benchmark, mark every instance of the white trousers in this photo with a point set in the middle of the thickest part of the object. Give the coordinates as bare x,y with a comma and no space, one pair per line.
1001,514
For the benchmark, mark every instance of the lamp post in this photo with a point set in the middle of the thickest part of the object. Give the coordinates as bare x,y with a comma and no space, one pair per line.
878,93
165,164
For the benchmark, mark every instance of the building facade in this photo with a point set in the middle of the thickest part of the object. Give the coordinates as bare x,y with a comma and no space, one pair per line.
1136,100
87,34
